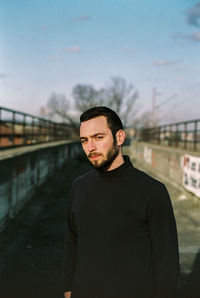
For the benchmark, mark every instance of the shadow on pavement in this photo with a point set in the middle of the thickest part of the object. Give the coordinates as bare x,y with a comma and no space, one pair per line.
190,283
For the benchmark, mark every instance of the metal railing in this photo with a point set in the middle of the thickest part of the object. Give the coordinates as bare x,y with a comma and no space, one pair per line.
18,128
185,135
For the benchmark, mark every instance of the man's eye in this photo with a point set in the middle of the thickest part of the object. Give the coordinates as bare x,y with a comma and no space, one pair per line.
83,141
99,138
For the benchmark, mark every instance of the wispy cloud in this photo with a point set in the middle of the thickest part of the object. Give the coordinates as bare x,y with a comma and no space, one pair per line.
44,28
193,15
3,75
164,62
193,37
81,19
127,50
73,49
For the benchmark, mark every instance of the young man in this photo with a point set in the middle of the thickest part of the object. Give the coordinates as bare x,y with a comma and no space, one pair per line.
121,239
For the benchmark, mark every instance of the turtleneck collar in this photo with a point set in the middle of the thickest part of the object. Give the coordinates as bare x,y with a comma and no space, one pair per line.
117,172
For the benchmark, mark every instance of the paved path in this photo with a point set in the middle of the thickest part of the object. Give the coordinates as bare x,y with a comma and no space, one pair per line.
31,249
187,213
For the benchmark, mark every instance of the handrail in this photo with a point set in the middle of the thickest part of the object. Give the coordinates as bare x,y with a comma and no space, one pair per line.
184,134
18,128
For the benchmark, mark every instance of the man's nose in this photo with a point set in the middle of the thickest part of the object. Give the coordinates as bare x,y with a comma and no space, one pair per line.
91,145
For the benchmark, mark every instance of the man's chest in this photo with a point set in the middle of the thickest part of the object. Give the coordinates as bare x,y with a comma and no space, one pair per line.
110,209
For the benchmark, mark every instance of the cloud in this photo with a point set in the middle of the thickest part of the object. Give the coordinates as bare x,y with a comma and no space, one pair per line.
193,15
81,19
165,62
73,49
44,28
193,37
127,50
3,76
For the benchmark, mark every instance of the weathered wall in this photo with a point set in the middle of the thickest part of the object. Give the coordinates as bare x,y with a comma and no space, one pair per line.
181,168
23,169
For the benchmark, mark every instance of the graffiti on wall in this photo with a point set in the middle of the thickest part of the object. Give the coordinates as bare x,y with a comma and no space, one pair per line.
191,174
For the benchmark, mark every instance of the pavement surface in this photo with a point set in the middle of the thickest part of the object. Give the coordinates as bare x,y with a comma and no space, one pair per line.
31,247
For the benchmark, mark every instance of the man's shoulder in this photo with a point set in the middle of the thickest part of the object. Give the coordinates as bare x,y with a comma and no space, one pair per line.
86,177
147,180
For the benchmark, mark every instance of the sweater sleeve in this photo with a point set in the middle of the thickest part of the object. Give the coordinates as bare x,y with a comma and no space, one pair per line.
70,245
164,243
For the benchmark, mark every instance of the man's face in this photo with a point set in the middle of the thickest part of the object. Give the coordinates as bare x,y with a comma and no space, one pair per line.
98,143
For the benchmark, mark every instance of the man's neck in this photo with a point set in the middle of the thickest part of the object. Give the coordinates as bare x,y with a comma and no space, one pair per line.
119,160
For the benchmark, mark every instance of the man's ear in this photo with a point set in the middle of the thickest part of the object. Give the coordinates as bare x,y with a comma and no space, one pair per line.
120,137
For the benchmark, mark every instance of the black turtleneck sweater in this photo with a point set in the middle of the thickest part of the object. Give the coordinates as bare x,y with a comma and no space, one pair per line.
121,239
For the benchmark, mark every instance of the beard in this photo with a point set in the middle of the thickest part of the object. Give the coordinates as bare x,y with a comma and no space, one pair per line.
110,157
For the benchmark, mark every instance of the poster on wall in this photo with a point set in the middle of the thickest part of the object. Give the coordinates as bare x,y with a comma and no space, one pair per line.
191,174
148,155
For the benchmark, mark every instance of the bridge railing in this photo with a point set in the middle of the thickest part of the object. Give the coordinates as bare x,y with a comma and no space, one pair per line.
18,128
185,135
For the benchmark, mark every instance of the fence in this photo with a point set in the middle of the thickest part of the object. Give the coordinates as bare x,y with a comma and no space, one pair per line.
185,135
18,128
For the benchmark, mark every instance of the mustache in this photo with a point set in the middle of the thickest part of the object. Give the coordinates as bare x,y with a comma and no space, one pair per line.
94,154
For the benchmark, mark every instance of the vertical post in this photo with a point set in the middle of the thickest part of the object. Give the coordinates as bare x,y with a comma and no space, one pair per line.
24,129
39,131
185,135
177,136
154,107
195,135
13,128
159,133
32,130
170,135
1,122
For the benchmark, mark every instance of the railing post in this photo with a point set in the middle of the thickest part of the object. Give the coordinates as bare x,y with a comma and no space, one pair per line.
170,135
185,135
195,135
1,122
13,128
32,129
24,129
176,136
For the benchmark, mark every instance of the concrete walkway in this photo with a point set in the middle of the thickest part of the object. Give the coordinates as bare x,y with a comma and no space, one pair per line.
187,213
31,247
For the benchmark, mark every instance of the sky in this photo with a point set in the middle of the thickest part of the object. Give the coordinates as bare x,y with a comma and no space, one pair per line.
50,46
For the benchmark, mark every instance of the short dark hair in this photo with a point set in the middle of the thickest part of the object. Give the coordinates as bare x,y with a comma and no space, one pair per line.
113,120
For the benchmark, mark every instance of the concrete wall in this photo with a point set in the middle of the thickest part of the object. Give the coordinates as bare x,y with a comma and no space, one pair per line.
181,168
23,169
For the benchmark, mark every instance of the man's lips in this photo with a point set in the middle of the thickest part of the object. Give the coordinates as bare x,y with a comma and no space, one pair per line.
94,156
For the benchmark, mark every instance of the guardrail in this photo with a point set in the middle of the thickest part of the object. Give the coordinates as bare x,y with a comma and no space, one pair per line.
185,135
18,128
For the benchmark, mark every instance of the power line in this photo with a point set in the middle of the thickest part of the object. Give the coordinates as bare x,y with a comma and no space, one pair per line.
178,96
166,101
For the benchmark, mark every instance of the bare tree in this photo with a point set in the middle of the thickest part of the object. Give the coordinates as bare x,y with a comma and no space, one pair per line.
117,94
144,121
43,112
59,108
121,97
86,96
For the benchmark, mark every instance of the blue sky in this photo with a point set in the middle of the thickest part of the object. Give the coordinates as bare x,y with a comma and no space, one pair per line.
50,46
